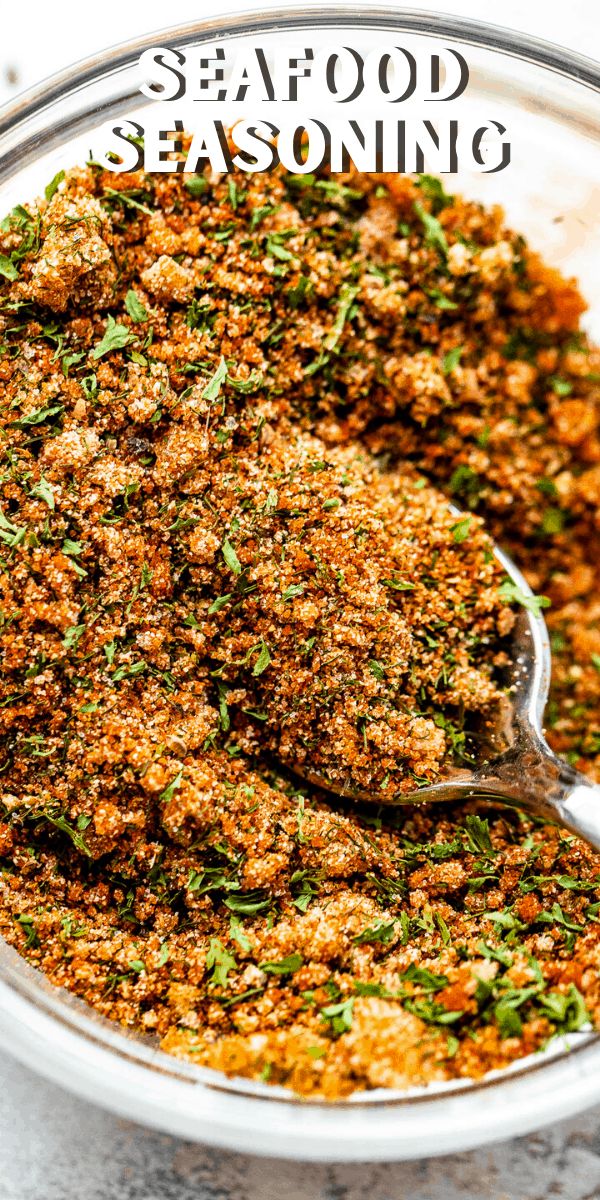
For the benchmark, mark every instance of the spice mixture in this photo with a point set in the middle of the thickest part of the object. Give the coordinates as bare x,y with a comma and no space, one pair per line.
233,413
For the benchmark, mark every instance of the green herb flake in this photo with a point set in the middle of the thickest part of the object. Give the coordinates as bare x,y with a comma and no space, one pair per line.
39,416
553,521
399,585
115,338
293,591
434,234
171,788
237,933
566,1009
423,978
433,189
215,607
508,1019
339,1015
275,248
377,933
52,187
461,530
285,966
441,300
560,387
377,669
220,962
451,360
347,296
44,491
8,269
196,185
72,636
511,593
230,557
263,660
248,903
300,292
478,832
215,383
59,821
135,308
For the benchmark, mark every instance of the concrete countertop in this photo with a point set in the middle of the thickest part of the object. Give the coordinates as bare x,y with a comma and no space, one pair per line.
56,1147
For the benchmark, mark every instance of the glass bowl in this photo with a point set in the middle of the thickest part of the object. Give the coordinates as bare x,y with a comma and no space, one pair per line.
549,101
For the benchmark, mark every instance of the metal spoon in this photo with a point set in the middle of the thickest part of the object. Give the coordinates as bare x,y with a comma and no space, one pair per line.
517,764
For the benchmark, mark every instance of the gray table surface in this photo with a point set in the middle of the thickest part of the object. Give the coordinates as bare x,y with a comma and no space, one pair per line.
55,1147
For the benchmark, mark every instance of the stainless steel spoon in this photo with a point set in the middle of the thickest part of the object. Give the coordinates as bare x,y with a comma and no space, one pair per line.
522,770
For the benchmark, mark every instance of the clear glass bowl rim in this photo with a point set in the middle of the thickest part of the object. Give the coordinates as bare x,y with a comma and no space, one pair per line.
570,63
53,1032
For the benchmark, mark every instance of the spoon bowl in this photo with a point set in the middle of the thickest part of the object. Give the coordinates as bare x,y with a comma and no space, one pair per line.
516,764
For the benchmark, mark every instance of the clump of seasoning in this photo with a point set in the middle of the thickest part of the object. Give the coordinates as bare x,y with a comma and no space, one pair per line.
230,408
364,627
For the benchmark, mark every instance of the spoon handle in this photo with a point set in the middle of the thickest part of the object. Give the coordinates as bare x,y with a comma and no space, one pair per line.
537,780
579,809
